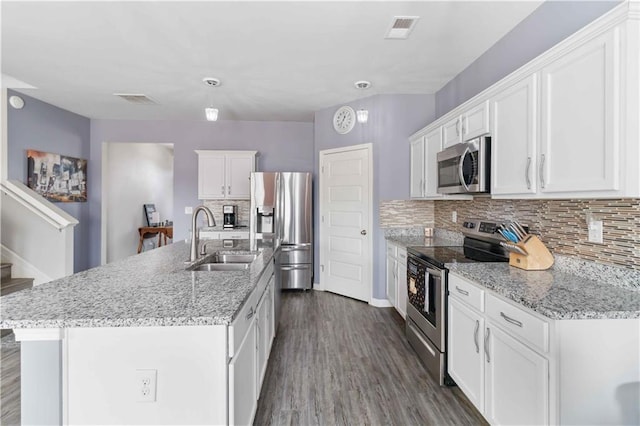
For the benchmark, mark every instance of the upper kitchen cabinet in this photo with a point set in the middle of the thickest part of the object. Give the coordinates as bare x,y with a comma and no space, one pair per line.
513,142
580,119
468,125
424,173
225,174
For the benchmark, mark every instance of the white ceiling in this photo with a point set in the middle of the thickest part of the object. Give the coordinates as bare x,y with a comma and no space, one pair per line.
276,60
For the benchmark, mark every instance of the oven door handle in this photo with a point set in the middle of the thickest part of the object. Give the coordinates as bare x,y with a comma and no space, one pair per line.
435,272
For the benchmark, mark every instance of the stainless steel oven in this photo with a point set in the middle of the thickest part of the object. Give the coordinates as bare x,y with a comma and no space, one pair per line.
464,168
426,314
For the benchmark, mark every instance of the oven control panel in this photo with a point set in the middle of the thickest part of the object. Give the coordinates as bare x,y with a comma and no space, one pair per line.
480,229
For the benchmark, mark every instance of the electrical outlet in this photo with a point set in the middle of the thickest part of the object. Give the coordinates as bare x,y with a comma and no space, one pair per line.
454,216
188,210
146,385
596,231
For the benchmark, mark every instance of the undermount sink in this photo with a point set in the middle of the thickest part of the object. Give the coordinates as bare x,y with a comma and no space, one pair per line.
233,258
221,267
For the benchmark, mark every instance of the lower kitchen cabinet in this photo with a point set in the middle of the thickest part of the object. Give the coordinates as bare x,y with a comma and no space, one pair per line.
517,381
519,367
466,350
397,277
265,327
243,395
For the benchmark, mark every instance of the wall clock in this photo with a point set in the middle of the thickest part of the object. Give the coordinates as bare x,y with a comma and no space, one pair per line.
344,119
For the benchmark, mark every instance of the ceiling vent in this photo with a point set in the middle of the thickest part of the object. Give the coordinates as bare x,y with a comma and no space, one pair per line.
401,27
136,98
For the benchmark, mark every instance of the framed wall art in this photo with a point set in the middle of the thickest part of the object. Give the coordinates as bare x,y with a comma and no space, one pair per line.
56,177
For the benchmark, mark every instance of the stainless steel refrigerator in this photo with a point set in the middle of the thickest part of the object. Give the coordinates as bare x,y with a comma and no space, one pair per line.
281,209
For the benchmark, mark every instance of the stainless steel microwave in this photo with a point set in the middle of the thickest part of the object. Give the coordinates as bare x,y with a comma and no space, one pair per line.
464,168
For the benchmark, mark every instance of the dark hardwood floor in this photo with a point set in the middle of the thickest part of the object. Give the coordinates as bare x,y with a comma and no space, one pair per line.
9,381
337,361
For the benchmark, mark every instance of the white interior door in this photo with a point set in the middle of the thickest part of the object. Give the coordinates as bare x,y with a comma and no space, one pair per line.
345,222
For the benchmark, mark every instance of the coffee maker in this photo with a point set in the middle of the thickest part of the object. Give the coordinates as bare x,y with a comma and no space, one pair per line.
230,216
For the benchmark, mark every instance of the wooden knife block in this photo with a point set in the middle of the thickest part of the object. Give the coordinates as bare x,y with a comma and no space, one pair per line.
538,257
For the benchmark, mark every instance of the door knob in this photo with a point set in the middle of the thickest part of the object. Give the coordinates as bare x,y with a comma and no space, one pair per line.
363,232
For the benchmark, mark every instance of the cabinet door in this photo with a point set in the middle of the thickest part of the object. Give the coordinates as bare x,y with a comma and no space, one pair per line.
263,330
517,381
401,303
475,122
465,351
238,176
432,146
211,177
513,145
392,277
242,381
580,118
417,169
452,132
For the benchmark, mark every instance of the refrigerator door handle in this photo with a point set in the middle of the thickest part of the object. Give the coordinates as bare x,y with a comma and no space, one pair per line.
306,246
294,267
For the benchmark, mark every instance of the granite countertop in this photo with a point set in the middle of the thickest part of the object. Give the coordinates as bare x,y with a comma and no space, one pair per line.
554,293
409,241
149,289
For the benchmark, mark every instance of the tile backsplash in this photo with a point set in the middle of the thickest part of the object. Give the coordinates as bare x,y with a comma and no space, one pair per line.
561,224
406,213
243,209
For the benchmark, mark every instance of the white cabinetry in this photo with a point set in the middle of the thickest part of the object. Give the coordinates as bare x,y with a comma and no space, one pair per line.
565,125
507,381
468,125
424,166
513,143
223,235
243,395
397,277
580,119
225,174
518,367
265,323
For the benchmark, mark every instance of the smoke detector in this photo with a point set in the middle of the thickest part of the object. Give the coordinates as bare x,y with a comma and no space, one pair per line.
362,84
401,27
211,81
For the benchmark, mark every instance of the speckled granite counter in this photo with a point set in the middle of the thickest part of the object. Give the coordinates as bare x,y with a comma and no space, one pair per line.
554,293
407,237
149,289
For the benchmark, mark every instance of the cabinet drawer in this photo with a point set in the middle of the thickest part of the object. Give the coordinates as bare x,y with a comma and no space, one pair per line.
529,328
467,292
234,235
402,255
392,250
241,323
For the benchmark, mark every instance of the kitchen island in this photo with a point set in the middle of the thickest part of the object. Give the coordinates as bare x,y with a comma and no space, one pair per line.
146,341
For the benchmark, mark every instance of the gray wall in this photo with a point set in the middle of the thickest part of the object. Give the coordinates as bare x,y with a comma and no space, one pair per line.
392,119
549,24
45,127
281,146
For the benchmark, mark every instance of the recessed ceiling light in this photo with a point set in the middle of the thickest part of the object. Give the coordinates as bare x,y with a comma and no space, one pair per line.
401,27
211,81
362,84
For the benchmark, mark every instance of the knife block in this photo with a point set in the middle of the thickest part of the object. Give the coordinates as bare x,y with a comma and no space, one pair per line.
538,257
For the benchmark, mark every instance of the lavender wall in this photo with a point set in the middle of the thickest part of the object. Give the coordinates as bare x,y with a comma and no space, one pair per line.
392,119
281,146
549,24
44,127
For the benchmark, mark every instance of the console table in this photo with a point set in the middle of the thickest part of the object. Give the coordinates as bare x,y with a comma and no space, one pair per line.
148,231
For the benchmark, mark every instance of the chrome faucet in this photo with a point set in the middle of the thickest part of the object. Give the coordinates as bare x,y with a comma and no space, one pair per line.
193,253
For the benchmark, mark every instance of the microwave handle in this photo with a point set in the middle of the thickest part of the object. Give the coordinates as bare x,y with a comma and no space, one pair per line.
460,172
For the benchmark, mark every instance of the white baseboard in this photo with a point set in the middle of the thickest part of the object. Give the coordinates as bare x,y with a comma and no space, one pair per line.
20,268
318,287
380,303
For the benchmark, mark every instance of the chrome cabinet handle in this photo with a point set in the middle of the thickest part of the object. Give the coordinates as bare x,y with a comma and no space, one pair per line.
222,190
458,127
475,336
363,232
250,314
486,344
511,320
229,190
527,172
461,291
542,172
424,188
463,127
